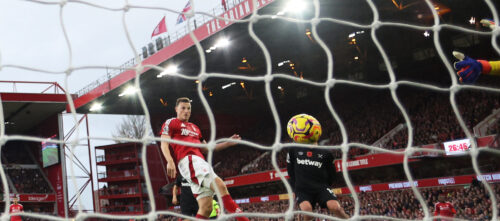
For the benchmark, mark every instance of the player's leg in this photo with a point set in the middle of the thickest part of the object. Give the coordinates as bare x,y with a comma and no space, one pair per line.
228,201
193,170
334,207
204,207
327,199
307,207
203,184
305,200
220,185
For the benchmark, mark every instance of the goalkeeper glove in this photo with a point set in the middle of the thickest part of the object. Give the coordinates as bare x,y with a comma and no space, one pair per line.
469,69
488,23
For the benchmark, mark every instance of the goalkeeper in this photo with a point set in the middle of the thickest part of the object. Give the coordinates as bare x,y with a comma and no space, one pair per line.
470,69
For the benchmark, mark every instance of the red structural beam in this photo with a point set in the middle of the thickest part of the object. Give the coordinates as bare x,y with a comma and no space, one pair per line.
52,84
33,97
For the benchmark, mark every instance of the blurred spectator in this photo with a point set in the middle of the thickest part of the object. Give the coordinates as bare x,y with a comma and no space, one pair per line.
35,184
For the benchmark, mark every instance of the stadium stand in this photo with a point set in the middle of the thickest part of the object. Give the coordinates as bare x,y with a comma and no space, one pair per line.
443,126
227,168
433,121
470,201
19,164
35,184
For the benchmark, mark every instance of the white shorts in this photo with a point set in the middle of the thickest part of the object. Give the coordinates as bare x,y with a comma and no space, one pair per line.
199,175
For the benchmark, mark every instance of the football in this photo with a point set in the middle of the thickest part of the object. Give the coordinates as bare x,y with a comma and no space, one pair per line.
304,128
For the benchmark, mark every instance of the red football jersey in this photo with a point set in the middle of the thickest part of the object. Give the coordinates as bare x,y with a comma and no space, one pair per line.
444,209
16,208
183,131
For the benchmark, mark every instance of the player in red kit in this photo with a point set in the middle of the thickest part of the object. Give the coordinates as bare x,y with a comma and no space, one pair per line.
15,208
191,162
443,208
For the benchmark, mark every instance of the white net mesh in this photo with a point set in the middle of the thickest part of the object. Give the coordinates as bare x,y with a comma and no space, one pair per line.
267,79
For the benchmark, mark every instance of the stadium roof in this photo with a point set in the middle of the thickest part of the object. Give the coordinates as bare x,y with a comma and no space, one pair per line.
294,51
23,111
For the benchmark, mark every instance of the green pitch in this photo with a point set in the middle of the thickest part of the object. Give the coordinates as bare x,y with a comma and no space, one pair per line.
50,156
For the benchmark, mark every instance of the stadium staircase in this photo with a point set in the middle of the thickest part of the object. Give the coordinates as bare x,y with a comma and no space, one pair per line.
388,136
254,163
481,129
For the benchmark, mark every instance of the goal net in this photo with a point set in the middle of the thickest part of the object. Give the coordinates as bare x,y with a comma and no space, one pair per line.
378,75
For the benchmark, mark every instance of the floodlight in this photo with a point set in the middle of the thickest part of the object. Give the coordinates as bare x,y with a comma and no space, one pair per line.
223,42
171,69
295,6
96,107
128,91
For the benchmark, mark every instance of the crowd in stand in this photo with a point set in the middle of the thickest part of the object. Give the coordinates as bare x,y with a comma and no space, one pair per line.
117,190
434,121
231,167
265,163
45,209
266,207
35,184
471,203
244,154
431,115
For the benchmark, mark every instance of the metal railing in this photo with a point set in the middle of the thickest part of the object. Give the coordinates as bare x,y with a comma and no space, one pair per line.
128,190
122,208
110,157
117,174
45,89
197,21
382,141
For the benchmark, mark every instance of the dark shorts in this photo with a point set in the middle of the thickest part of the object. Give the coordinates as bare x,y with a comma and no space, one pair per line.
320,196
189,210
189,206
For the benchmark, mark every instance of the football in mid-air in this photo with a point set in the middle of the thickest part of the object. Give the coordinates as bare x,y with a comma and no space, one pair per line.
304,128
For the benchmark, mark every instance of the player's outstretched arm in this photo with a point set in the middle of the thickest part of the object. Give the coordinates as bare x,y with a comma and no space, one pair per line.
171,171
224,145
470,69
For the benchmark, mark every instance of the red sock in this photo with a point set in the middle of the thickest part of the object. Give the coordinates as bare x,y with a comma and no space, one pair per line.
232,207
201,217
